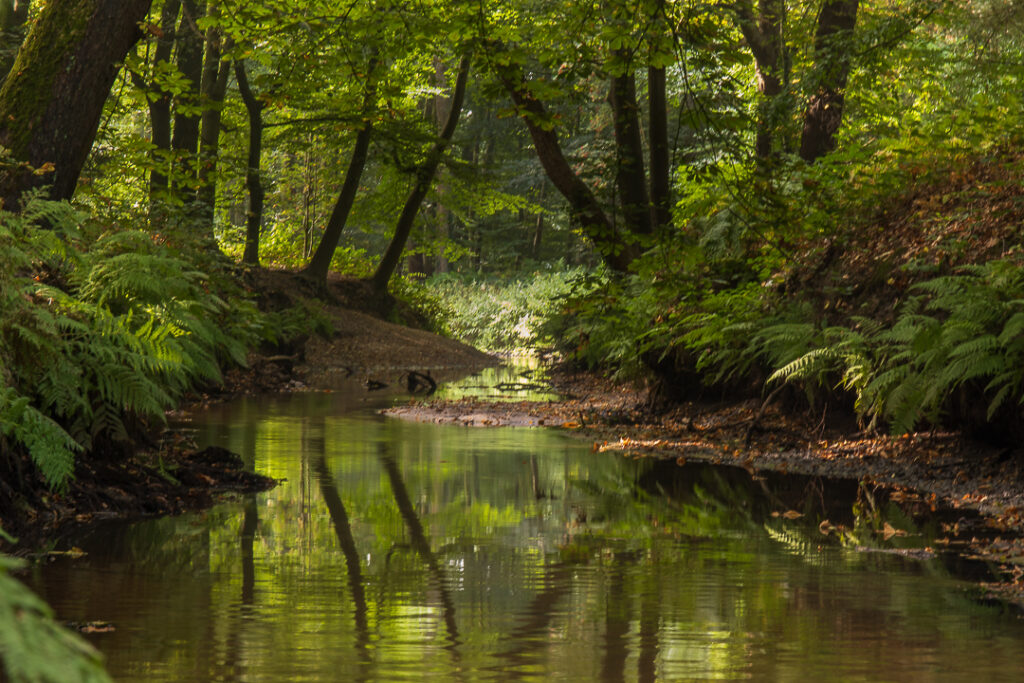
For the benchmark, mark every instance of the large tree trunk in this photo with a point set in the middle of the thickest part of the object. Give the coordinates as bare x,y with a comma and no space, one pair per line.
254,216
321,261
763,33
212,89
424,177
832,50
51,104
583,205
630,176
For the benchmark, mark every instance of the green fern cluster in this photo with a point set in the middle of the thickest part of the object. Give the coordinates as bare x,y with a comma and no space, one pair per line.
956,333
99,330
33,645
956,330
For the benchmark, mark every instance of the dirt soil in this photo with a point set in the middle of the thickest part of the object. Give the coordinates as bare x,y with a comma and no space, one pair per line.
365,346
934,468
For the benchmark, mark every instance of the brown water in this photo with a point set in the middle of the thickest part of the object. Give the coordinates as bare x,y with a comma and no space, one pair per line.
396,551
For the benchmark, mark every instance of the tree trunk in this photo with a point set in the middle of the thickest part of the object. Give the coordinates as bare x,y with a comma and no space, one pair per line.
320,264
254,216
160,109
763,34
538,236
824,112
583,205
13,14
214,85
661,187
50,106
630,176
185,137
424,177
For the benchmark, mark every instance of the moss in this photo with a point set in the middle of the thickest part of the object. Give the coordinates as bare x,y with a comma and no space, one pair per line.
48,49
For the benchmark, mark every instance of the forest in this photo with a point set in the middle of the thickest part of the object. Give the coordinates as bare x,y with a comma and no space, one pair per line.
813,203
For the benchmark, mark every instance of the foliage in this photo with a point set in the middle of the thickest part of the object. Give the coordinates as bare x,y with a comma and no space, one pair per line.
100,329
956,331
500,314
34,647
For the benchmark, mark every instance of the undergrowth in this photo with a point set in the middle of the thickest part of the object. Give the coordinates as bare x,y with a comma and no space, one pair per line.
926,338
101,331
499,314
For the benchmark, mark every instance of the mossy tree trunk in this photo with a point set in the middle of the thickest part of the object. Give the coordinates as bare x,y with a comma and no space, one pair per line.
661,185
50,105
189,41
212,89
160,109
630,175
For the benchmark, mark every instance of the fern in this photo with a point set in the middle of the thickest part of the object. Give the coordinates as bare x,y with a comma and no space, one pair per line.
50,447
123,330
34,645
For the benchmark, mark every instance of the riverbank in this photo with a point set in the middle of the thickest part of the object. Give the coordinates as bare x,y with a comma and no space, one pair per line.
164,474
936,468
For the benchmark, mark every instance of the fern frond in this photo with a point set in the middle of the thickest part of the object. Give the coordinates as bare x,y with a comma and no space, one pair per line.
802,367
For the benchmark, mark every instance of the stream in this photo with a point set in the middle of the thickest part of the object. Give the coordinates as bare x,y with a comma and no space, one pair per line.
397,551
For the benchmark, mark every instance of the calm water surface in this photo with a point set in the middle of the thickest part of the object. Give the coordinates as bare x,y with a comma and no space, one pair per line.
397,551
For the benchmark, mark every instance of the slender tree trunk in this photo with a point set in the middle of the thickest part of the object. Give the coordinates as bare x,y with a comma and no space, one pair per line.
661,187
583,205
630,176
13,14
442,216
160,109
212,89
185,136
51,104
424,176
538,236
254,216
307,203
763,33
824,112
320,264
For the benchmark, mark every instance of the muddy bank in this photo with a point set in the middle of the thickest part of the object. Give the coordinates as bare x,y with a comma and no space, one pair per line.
936,468
169,482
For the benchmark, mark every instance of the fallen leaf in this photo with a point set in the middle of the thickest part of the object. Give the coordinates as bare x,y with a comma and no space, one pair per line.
888,531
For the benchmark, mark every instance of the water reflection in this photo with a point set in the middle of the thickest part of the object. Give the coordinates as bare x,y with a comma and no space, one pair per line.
397,551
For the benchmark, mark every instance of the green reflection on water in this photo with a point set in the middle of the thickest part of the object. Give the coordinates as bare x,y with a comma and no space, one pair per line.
397,550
